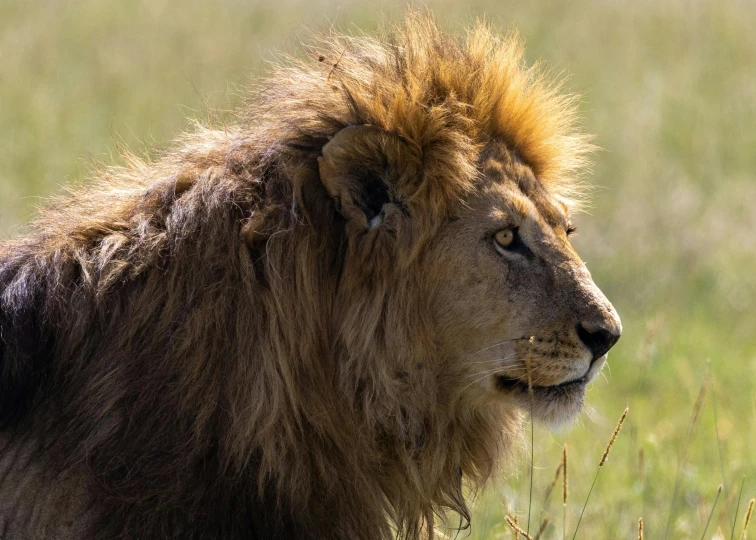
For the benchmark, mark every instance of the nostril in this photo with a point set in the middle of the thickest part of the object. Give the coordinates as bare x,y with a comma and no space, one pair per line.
598,341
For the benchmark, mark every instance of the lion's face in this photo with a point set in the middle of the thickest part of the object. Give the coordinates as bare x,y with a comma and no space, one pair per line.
515,303
512,305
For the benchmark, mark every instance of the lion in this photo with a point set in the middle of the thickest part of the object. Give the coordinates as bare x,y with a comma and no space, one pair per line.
327,319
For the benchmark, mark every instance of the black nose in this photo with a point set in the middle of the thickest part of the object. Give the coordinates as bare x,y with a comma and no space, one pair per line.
599,341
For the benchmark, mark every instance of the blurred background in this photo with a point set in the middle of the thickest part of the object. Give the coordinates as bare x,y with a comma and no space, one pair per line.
669,89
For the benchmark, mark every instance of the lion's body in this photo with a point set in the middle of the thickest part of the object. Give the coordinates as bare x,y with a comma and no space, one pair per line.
199,347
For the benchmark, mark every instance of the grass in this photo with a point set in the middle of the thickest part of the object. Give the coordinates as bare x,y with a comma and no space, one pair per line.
668,88
604,457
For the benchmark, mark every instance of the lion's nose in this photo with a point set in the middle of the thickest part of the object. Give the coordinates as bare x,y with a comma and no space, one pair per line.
599,339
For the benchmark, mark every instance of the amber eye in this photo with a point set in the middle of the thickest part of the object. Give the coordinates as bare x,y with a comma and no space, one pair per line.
504,238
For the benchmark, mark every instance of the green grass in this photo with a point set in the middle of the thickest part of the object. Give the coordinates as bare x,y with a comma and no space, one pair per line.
670,91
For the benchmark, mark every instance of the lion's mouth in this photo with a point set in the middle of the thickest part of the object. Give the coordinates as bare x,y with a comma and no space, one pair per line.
507,383
555,404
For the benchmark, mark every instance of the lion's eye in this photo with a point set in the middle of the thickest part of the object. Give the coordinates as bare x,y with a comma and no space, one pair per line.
504,238
571,229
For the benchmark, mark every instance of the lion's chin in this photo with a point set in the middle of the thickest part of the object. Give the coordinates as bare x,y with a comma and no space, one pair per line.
555,405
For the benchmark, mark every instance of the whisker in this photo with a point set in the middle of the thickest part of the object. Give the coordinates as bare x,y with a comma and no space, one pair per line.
515,368
509,356
484,373
473,382
497,366
499,344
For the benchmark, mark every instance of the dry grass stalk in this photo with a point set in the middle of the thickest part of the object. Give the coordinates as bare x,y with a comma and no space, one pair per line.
640,528
515,534
747,519
517,530
564,473
713,506
601,464
532,431
564,491
614,437
542,528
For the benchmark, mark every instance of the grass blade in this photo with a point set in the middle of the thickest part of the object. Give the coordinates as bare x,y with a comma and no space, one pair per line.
713,506
601,464
532,433
683,453
719,439
737,508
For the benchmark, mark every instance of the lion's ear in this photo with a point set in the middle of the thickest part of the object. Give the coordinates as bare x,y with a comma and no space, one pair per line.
363,168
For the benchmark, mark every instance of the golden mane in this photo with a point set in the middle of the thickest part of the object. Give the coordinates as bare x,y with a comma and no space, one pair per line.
191,334
432,89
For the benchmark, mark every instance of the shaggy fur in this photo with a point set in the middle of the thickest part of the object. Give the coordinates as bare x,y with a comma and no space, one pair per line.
233,341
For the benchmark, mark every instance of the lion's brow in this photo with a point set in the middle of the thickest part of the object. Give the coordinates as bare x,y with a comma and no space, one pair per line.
542,199
500,165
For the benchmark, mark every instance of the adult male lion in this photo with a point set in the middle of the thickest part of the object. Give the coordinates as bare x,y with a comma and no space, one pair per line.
315,323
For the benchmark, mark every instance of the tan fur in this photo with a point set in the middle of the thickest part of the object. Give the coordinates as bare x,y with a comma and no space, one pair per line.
299,325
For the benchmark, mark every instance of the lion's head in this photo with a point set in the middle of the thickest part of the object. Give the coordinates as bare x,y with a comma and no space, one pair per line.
510,305
322,320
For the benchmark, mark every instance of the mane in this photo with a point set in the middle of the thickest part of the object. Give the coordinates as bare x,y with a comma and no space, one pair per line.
201,287
430,88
